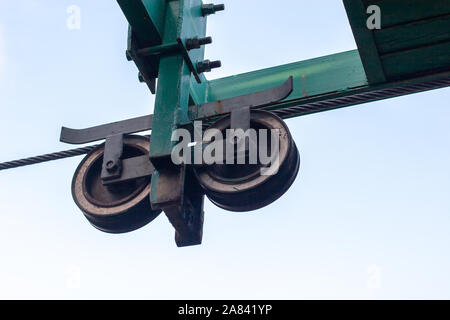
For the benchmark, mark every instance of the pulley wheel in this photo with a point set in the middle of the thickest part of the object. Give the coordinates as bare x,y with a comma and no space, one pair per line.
242,188
121,207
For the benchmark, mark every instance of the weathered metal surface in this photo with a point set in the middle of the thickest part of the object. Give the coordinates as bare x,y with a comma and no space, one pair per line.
132,169
80,136
112,158
362,95
240,118
184,200
320,84
182,205
254,100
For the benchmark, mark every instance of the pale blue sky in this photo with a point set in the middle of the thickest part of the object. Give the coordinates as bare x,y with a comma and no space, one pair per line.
372,196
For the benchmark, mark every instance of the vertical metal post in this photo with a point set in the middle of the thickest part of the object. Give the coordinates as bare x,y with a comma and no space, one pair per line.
182,202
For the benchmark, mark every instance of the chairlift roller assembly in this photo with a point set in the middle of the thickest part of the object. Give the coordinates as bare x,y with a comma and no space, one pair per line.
245,187
117,207
127,180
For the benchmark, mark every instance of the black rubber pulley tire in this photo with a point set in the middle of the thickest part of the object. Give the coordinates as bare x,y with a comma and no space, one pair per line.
119,208
241,188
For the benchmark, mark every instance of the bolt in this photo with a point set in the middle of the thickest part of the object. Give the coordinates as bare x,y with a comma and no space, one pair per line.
141,77
128,55
216,64
111,166
207,66
196,43
211,8
204,41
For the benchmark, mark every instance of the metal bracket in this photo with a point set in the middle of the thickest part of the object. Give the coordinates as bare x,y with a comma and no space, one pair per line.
81,136
187,58
254,100
112,163
197,112
156,51
240,118
147,69
133,168
115,169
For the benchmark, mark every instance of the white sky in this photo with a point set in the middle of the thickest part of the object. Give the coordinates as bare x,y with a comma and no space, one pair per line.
2,52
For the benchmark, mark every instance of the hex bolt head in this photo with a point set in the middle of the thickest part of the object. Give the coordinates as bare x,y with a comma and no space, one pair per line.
207,66
111,166
141,77
211,8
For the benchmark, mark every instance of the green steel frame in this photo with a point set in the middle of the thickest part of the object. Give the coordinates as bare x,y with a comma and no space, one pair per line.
381,68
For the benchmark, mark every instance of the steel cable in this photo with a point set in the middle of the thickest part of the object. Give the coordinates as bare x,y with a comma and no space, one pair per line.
359,98
46,158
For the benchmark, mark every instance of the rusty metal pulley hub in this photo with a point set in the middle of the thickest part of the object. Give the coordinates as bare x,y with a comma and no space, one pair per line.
115,208
242,187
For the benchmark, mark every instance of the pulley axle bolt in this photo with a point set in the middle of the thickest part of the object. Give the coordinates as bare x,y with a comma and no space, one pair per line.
111,166
207,66
128,55
211,8
196,43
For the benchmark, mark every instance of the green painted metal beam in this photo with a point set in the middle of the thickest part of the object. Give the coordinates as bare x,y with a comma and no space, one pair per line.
158,31
386,52
147,19
398,12
338,76
413,35
314,79
413,40
333,73
411,49
183,20
173,188
364,37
